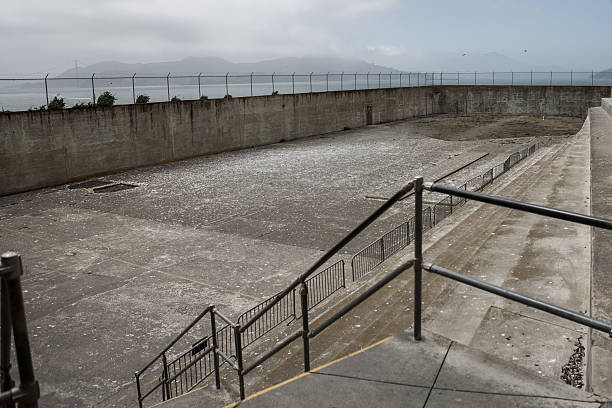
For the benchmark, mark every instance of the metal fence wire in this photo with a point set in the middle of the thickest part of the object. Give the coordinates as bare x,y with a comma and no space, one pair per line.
325,283
26,92
401,236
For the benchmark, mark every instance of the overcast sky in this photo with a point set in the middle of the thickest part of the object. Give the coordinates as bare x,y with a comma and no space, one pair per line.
48,36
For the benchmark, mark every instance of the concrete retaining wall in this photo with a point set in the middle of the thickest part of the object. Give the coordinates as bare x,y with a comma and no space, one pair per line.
41,149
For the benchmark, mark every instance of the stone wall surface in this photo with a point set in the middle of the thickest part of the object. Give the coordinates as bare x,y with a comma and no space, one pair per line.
39,149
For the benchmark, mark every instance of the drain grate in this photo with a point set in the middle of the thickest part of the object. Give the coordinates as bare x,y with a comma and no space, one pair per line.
89,184
113,188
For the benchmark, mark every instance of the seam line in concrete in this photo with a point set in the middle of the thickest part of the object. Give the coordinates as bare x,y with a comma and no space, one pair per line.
372,380
438,373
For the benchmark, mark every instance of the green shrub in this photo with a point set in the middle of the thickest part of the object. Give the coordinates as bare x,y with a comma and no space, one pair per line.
83,105
228,96
57,103
275,93
106,99
175,99
203,97
143,99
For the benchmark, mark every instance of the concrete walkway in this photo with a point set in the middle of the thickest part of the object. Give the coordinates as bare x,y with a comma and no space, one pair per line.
435,372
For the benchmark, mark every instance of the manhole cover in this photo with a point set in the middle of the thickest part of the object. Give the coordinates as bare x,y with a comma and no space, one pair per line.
89,184
113,188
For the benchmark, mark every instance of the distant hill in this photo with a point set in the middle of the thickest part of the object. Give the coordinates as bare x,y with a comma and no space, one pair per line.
215,65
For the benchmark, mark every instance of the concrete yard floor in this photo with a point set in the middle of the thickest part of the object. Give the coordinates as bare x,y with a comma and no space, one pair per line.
110,278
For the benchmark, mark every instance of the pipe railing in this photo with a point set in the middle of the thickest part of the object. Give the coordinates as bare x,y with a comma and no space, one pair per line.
515,296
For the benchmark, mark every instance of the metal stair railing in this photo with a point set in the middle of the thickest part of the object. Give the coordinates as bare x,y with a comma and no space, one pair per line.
509,294
13,319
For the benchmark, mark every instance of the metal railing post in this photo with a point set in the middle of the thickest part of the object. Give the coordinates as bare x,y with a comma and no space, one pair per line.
440,78
368,80
6,382
379,80
311,82
531,78
512,83
409,80
168,85
93,88
571,78
493,77
390,73
341,80
418,253
293,83
304,304
550,78
474,78
47,89
355,81
251,84
11,273
458,79
166,386
273,83
213,329
326,82
133,89
400,84
592,78
138,392
226,84
199,86
240,363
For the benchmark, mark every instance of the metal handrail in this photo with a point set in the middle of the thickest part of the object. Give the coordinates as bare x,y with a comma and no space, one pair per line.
518,297
507,203
403,191
518,205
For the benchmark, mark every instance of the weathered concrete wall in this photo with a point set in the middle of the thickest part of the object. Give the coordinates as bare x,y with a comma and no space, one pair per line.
47,148
510,100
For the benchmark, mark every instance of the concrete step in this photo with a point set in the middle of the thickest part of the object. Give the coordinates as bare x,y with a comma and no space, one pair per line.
433,372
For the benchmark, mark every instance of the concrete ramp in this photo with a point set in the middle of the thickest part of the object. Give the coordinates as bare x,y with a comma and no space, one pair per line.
434,372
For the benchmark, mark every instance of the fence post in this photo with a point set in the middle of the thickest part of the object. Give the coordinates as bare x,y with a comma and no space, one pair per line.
474,78
166,386
550,78
238,343
213,329
512,78
409,79
93,88
440,78
379,80
293,83
531,78
355,81
311,83
226,84
592,78
47,89
493,77
418,249
368,80
304,304
341,80
458,83
273,82
390,73
571,78
251,84
326,82
168,84
199,86
133,89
